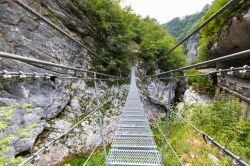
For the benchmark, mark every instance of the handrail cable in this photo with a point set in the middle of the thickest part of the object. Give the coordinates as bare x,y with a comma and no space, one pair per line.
229,4
46,147
23,75
90,155
206,136
33,60
176,155
160,130
98,144
195,75
25,6
223,58
219,72
87,26
213,142
7,75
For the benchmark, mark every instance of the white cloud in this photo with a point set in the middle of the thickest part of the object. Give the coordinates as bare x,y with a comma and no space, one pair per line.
165,10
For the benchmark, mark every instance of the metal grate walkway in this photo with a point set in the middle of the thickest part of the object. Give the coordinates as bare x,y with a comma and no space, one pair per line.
133,144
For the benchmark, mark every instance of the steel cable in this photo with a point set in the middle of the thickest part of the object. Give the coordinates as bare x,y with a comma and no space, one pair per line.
6,75
46,147
229,4
37,61
172,149
225,151
223,58
206,136
98,144
43,149
25,6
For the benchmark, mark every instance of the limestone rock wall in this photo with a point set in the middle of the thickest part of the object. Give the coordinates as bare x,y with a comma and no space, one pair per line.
41,109
234,37
192,47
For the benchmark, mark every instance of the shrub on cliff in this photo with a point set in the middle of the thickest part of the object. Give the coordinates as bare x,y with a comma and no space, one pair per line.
211,31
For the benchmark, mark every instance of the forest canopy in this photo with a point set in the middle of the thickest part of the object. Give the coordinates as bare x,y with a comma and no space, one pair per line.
124,37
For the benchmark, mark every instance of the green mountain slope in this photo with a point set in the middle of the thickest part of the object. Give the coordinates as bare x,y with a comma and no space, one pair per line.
179,27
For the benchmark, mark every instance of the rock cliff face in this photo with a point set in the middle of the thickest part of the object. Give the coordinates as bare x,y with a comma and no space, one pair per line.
83,139
234,37
192,47
41,109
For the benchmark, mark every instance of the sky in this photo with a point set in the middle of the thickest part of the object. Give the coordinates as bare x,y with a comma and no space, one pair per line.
165,10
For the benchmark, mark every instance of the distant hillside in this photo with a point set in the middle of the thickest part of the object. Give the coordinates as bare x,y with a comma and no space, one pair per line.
179,27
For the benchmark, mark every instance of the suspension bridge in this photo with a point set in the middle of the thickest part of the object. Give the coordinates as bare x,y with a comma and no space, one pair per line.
133,143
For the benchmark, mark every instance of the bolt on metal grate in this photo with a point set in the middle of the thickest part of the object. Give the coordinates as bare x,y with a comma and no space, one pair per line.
133,143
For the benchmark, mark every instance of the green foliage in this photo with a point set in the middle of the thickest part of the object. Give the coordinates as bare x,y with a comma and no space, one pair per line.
180,27
5,115
107,106
23,133
17,160
200,83
67,165
96,159
114,34
32,125
154,43
225,125
4,147
220,119
25,105
124,36
211,31
3,125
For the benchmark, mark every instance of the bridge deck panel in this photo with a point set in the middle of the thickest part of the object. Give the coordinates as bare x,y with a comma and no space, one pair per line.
133,144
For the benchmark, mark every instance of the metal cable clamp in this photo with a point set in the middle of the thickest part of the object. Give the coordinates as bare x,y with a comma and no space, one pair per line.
244,70
6,74
22,75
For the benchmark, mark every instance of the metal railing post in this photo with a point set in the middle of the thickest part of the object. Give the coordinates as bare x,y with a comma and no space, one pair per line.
167,117
99,118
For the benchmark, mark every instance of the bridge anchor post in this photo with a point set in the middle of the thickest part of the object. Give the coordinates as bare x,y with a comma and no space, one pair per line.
167,117
100,119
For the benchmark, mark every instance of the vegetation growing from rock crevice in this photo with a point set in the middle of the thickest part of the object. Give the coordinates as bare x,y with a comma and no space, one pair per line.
6,113
212,31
